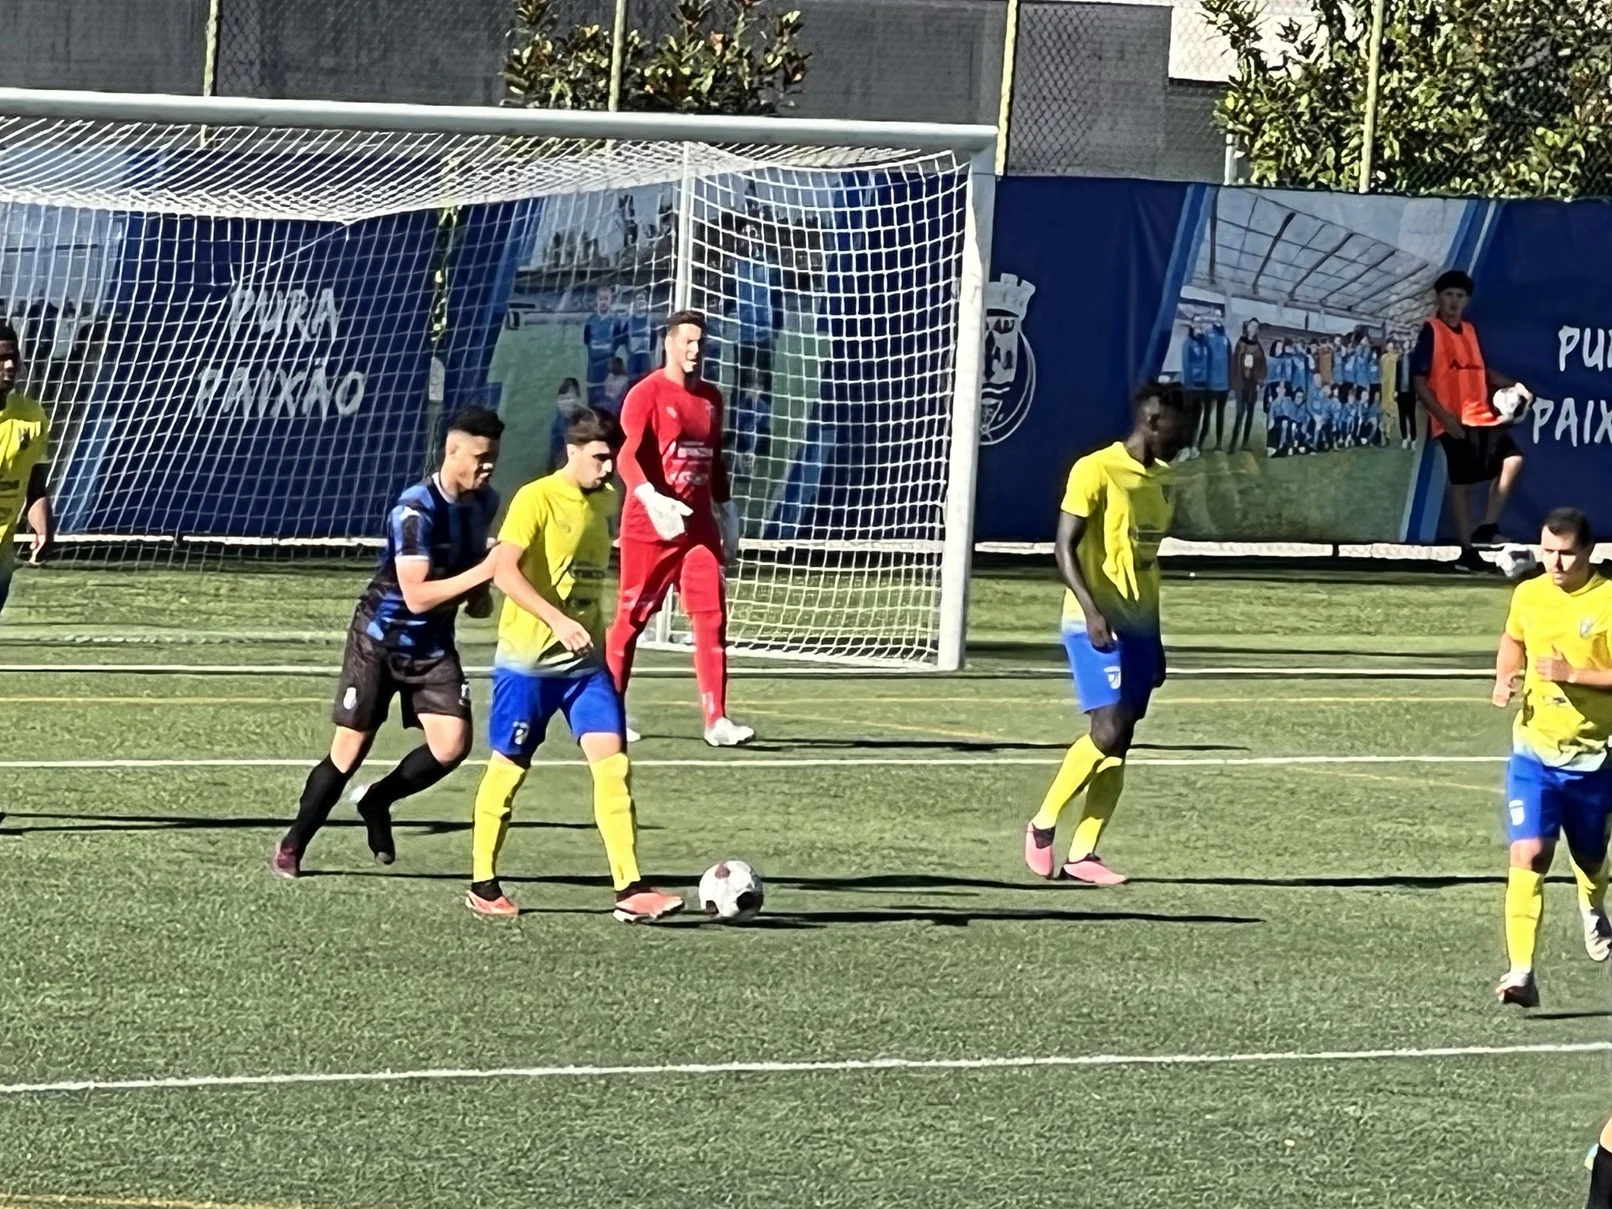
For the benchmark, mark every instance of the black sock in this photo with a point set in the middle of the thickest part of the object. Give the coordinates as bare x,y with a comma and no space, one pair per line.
489,891
319,797
419,770
1600,1180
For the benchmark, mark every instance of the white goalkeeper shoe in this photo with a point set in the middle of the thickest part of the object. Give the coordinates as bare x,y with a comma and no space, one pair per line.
725,732
633,736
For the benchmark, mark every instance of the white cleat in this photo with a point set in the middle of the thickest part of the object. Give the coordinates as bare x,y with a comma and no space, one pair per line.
358,792
633,736
1597,934
725,732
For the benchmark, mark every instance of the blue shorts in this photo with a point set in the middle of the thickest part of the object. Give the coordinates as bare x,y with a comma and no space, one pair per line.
1127,672
523,703
1543,802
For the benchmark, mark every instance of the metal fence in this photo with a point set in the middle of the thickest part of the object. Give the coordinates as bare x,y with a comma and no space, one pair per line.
1080,87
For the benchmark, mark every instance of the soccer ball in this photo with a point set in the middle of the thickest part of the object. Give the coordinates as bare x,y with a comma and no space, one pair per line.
731,891
1510,403
1517,562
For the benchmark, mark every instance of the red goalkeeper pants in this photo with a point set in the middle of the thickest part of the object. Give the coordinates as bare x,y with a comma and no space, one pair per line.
648,571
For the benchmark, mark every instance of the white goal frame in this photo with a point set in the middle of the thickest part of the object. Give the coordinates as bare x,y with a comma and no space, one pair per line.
974,145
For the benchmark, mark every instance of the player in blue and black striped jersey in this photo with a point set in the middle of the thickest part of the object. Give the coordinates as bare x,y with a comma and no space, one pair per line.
401,642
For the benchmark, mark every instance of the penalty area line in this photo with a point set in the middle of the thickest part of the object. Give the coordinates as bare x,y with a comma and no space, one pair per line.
742,762
825,1066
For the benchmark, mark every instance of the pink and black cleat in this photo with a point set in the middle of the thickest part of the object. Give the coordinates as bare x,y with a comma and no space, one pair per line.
1038,850
1091,870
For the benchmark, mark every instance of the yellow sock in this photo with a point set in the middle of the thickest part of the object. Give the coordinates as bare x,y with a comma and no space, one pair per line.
1525,903
1102,795
491,822
616,818
1591,885
1078,765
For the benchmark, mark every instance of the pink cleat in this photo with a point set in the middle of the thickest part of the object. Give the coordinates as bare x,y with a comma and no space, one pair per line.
285,861
641,905
487,899
1038,849
1092,871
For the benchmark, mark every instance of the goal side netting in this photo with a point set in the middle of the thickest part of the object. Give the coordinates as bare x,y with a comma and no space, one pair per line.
248,321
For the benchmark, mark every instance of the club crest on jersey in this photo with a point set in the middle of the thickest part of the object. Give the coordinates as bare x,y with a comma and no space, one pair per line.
1009,360
1585,626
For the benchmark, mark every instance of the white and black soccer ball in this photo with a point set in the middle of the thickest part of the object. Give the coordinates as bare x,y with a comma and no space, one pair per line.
1510,403
1517,562
731,891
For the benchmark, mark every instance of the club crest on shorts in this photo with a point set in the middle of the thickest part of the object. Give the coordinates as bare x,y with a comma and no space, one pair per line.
1009,388
350,698
522,733
464,692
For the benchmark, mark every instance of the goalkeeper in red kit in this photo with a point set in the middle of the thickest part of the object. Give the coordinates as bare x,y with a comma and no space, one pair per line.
678,521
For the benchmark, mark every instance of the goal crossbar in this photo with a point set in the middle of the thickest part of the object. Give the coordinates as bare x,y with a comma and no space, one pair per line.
169,109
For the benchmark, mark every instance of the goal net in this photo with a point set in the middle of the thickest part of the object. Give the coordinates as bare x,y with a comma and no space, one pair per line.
248,321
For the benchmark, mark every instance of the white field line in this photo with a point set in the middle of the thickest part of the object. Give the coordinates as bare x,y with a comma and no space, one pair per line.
1051,672
737,762
825,1066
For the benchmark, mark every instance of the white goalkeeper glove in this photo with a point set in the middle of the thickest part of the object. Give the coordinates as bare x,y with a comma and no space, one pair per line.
727,520
665,513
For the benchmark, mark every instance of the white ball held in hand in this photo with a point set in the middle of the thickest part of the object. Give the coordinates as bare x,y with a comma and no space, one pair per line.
1510,402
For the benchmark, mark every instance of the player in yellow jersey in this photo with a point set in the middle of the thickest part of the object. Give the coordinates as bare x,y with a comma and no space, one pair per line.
24,436
1116,510
1558,640
552,556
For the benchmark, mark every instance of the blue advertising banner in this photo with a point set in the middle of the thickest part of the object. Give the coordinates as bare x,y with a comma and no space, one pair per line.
1289,317
260,378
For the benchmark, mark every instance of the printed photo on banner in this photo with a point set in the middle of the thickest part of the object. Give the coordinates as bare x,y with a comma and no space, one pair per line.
1291,332
586,318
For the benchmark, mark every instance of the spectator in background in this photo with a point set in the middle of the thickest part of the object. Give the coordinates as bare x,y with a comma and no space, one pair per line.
602,333
1248,369
1455,386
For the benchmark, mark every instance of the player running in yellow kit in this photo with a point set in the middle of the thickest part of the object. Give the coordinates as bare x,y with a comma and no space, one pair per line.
1558,640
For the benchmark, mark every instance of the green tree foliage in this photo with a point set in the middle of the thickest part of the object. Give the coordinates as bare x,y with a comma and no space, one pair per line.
1495,97
722,56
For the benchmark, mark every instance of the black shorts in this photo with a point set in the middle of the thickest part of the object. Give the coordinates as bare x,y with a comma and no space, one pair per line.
371,675
1477,457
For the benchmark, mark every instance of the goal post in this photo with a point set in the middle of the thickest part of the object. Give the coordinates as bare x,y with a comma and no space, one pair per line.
246,319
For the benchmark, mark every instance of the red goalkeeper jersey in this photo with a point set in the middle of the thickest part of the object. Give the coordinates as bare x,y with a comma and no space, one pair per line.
673,441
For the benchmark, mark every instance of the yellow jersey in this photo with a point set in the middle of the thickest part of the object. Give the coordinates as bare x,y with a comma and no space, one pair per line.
564,537
1563,725
24,434
1128,507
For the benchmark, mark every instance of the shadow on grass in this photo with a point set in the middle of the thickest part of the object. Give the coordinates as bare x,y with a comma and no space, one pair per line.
148,822
946,917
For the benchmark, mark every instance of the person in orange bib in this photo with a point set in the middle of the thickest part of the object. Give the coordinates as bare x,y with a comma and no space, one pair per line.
1455,386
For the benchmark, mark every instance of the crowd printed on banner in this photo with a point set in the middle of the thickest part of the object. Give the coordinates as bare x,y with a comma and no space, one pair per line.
287,318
